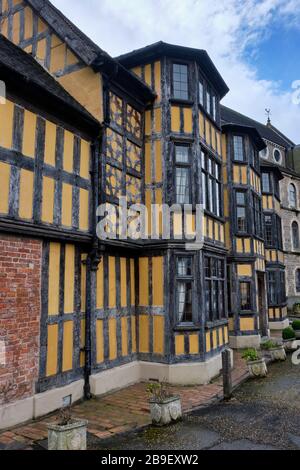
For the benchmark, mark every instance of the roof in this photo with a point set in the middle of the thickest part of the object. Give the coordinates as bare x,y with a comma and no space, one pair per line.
17,62
89,52
229,116
153,51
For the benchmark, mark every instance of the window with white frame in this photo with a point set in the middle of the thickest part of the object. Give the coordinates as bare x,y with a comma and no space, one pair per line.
184,288
183,174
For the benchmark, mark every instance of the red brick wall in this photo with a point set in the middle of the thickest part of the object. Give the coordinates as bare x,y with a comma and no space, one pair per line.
20,288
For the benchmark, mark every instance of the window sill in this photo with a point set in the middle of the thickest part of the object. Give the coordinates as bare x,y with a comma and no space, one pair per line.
187,327
213,324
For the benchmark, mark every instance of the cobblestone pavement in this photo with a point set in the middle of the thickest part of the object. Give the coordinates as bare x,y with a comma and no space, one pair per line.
120,412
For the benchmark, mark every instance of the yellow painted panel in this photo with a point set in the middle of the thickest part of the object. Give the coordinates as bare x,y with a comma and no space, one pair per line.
158,280
231,324
100,341
157,119
100,286
48,200
277,312
194,344
225,334
85,159
147,72
179,345
58,57
16,28
132,282
68,346
148,123
210,229
29,132
133,334
175,119
148,178
26,194
207,132
247,242
54,279
67,203
123,273
83,209
4,27
188,120
28,30
41,49
157,79
236,174
246,324
244,175
148,206
239,245
222,233
6,124
112,282
83,283
86,87
177,225
215,339
208,342
158,201
143,334
69,286
158,162
41,26
221,339
137,71
244,270
158,334
201,125
124,328
52,350
50,143
4,185
71,58
68,151
144,281
112,334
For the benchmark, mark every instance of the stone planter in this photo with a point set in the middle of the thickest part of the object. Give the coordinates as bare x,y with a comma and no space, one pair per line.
69,437
288,344
297,334
257,368
296,311
166,411
278,353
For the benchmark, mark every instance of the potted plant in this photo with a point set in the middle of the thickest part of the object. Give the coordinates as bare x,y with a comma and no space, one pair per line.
67,433
288,336
165,408
296,308
256,364
276,350
296,328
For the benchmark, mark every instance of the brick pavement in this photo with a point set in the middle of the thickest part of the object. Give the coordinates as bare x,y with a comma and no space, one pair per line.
122,411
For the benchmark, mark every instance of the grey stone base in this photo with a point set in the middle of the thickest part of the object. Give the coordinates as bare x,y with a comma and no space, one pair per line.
279,325
246,341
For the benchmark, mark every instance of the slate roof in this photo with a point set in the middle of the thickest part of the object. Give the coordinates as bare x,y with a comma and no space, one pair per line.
16,61
144,54
229,116
89,52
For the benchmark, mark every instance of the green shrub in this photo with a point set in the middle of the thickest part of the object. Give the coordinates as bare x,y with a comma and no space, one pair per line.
268,345
250,354
297,305
296,325
288,333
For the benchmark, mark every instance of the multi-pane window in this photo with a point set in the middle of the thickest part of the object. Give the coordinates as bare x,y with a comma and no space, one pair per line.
183,174
257,215
238,148
266,182
214,108
273,231
208,101
211,184
276,287
201,93
292,196
297,280
245,295
184,284
180,81
241,219
214,288
268,231
295,235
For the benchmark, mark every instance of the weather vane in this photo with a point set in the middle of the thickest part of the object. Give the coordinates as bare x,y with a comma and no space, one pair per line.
268,113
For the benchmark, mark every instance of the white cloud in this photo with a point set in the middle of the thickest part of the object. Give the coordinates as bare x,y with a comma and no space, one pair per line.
223,27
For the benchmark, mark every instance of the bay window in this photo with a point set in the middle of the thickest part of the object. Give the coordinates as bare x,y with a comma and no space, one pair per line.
211,184
214,288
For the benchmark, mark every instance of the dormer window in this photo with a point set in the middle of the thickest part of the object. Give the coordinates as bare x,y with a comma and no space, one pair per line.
180,82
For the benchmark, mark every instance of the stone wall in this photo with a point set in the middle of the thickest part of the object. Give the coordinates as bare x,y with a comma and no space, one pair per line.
20,287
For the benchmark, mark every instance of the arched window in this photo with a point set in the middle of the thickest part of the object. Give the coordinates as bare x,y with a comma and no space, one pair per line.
292,196
297,280
295,235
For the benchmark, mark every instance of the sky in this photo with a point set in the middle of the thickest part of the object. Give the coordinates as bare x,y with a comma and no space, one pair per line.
253,43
